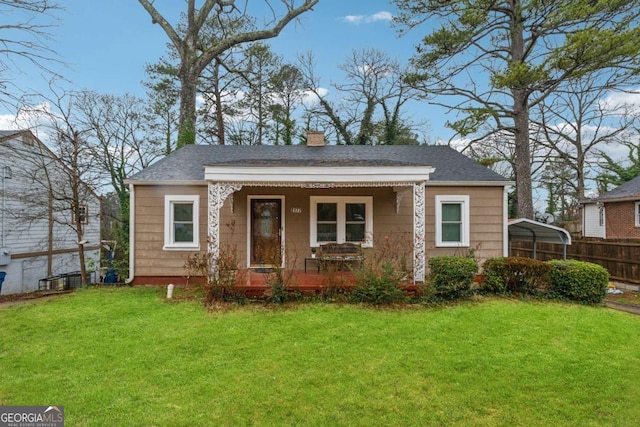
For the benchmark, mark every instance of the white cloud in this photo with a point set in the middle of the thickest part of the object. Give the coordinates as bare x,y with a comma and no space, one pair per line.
632,97
383,15
8,122
31,117
622,102
367,19
309,98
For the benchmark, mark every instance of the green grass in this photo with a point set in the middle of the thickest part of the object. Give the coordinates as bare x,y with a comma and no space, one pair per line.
126,357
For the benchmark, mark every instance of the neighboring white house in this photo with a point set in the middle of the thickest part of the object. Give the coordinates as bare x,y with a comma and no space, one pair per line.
37,234
593,220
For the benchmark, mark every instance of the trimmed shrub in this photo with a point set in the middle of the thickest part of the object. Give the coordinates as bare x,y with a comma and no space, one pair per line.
515,275
451,276
378,287
578,281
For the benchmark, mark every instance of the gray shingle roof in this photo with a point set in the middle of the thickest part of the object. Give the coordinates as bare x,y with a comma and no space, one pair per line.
6,133
187,164
626,191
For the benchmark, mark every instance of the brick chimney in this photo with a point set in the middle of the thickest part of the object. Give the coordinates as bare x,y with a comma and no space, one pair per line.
315,138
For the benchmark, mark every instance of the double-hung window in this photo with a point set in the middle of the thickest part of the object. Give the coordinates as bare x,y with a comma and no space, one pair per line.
341,219
82,215
637,214
452,221
181,225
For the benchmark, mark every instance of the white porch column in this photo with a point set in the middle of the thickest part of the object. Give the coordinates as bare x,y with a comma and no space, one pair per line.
218,193
419,251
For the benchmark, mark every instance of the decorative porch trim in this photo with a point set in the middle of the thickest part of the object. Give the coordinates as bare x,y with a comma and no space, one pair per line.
419,251
321,185
218,193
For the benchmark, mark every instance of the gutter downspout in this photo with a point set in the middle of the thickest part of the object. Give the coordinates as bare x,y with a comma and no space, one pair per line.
506,241
2,242
132,233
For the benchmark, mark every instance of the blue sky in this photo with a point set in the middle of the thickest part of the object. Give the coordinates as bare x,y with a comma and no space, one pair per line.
107,43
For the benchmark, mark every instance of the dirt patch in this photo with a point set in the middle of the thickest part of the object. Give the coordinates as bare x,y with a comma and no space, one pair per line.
29,296
626,297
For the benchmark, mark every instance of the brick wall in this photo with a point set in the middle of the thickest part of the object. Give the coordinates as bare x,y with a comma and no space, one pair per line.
621,221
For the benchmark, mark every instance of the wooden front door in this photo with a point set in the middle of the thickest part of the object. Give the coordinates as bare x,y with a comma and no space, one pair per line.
266,232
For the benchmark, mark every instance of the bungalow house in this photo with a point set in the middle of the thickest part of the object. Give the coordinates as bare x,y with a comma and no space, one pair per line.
38,238
615,214
295,198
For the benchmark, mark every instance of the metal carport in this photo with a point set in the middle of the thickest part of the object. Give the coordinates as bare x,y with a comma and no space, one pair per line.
528,230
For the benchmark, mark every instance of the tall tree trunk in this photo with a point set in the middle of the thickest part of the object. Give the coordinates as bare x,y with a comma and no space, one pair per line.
521,120
76,184
217,96
522,155
188,82
50,232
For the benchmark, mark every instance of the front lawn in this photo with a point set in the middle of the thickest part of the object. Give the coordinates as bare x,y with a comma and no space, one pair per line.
126,357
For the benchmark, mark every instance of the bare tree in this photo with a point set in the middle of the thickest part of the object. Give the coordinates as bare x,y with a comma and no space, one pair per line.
24,38
196,53
118,132
120,137
372,97
577,122
221,81
615,171
66,189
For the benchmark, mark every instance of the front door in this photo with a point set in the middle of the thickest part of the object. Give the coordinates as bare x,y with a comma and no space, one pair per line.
266,232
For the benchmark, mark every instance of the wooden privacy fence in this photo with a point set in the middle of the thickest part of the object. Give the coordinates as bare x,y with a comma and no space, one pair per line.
621,259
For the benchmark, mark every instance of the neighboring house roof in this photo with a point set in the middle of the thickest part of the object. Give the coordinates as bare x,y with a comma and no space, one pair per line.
188,163
8,133
630,190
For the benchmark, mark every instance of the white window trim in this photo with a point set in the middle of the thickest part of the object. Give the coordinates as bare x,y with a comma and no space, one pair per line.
464,201
169,243
341,201
637,214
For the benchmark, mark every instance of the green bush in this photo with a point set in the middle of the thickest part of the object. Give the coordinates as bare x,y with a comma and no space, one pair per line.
515,275
578,281
451,276
378,287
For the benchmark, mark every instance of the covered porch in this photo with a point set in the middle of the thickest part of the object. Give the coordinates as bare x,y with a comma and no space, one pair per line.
315,186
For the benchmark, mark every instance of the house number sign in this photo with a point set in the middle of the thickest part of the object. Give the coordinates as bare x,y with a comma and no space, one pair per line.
296,210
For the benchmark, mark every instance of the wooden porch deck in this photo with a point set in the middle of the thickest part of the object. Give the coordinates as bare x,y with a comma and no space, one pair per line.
254,282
